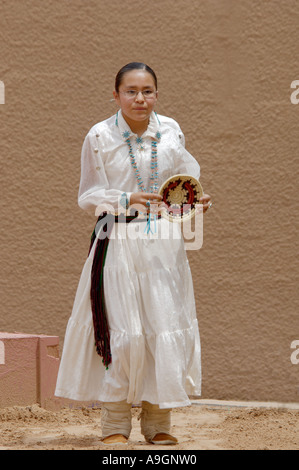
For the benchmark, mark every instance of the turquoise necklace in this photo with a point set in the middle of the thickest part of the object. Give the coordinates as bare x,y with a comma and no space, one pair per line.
154,176
154,168
154,162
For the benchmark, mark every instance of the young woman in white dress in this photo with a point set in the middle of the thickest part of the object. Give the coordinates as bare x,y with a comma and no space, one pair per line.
152,356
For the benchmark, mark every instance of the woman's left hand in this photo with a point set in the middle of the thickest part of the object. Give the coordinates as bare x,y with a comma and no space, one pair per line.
205,200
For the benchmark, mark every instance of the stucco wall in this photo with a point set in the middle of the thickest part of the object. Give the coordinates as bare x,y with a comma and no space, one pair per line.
224,70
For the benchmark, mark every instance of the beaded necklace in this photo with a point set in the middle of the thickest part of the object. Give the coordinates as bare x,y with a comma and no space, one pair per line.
154,168
154,162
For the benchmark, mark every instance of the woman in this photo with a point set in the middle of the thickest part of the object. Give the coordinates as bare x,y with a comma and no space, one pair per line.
146,328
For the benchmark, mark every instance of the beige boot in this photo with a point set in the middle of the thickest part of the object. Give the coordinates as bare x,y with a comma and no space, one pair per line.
155,424
116,421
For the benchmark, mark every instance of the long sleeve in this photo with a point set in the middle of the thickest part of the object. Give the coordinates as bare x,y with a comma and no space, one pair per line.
185,163
94,189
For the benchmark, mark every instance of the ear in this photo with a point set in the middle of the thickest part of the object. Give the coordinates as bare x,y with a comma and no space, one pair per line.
116,97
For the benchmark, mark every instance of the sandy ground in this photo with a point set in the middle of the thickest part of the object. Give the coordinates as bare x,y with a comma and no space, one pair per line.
197,428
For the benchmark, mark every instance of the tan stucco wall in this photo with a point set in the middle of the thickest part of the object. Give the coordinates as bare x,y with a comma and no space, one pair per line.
225,70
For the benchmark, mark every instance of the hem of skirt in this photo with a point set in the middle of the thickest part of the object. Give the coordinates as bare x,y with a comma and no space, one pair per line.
174,404
82,398
70,396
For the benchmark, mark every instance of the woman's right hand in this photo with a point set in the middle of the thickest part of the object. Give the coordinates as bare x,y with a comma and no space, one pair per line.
142,198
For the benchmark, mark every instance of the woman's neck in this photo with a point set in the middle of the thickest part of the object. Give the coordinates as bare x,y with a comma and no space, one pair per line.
137,127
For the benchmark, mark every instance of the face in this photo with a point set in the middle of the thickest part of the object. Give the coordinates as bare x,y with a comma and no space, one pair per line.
139,108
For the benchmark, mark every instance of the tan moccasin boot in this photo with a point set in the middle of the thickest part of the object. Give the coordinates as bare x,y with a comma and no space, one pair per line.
115,439
164,439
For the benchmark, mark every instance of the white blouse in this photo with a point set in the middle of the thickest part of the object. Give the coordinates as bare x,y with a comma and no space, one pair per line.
106,169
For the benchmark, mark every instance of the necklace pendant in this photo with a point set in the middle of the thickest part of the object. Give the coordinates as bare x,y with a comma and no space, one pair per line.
139,142
126,134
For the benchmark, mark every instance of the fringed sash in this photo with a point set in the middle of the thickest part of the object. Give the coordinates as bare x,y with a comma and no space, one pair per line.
101,331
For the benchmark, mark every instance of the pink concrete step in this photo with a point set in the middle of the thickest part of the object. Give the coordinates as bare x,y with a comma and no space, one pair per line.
28,369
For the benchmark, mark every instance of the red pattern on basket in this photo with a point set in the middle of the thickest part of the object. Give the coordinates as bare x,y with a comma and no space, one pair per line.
189,204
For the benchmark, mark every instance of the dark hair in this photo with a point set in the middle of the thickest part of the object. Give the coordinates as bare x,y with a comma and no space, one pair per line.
133,66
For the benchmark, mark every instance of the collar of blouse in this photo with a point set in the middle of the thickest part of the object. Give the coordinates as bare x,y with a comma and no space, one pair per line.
125,131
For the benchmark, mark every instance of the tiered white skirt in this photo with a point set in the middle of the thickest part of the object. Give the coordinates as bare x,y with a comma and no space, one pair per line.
154,336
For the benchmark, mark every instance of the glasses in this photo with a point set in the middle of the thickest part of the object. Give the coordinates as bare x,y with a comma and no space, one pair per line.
132,94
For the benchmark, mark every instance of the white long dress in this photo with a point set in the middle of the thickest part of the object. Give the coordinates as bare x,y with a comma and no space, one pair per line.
149,297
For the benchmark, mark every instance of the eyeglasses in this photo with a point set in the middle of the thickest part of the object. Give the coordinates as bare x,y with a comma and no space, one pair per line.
132,94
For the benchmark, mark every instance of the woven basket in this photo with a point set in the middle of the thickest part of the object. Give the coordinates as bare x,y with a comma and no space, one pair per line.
180,195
